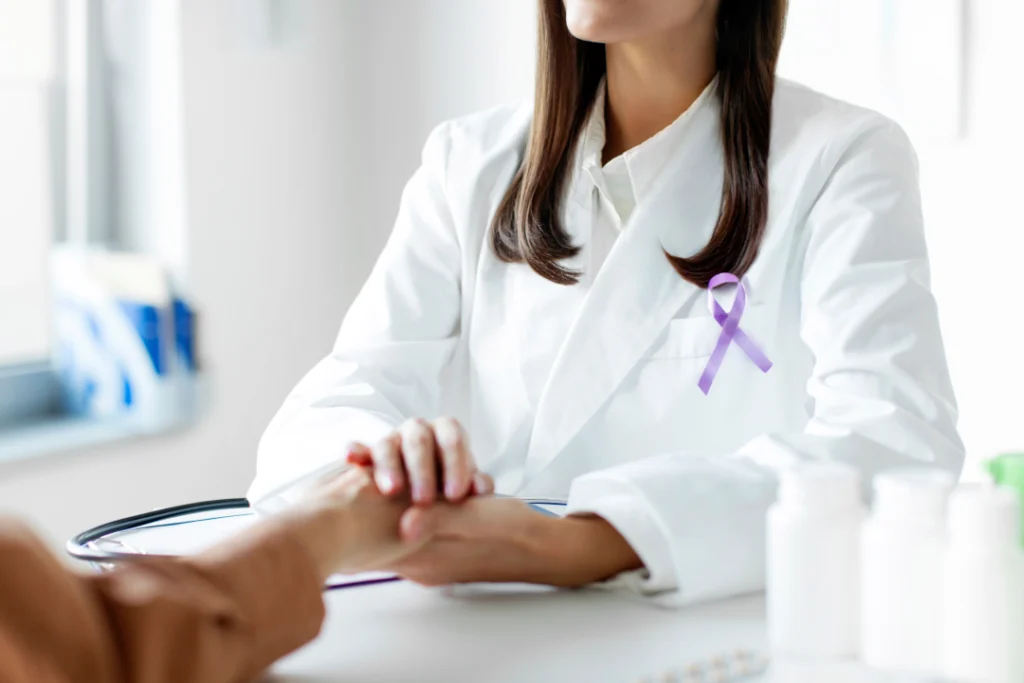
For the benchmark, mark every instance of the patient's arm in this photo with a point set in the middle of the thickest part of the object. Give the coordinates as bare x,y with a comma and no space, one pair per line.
221,617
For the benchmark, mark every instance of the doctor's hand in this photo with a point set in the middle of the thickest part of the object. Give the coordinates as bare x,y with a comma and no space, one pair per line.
348,526
488,539
425,460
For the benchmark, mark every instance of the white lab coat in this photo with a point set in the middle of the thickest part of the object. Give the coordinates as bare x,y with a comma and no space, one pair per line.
838,298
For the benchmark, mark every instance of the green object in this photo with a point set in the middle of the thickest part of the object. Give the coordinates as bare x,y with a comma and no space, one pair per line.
1008,470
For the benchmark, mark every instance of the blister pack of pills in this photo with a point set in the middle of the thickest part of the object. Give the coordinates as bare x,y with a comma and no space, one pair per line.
735,667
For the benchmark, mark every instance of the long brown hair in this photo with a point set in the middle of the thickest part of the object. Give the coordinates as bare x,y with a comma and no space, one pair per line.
526,227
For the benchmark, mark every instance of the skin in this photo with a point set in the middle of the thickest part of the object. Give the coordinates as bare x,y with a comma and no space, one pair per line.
660,57
347,525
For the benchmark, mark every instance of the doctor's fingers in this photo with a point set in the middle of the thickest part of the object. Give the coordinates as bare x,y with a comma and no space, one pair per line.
456,463
388,471
483,484
419,451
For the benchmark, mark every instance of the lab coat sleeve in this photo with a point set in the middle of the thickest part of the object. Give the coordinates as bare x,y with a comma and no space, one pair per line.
880,390
393,346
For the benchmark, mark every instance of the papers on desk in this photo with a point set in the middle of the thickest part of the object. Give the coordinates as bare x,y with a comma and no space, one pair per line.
337,581
548,507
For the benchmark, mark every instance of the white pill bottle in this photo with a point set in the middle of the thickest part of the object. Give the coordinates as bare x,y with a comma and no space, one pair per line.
983,587
813,562
902,550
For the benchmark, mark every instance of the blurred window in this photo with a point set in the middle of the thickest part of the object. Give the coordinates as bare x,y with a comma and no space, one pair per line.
55,179
29,172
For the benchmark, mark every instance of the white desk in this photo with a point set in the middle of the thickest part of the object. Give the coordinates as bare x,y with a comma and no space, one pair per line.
401,632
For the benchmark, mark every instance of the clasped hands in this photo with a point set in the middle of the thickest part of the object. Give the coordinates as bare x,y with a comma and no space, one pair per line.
416,504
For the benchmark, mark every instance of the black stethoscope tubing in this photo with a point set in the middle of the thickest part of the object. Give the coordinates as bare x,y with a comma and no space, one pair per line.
80,546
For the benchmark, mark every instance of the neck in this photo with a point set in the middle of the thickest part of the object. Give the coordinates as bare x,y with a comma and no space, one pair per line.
651,83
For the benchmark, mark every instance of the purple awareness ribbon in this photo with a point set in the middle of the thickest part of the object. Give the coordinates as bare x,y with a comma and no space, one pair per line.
731,332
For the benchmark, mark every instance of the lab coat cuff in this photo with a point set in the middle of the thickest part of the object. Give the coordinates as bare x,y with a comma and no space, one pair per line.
629,515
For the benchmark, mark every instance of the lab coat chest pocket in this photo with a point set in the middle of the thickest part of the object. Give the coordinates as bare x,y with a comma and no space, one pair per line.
663,393
696,337
686,338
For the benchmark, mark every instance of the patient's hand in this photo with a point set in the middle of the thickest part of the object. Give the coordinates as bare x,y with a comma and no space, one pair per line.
423,458
348,526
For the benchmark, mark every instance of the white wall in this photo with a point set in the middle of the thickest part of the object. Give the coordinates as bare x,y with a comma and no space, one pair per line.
435,60
972,193
296,153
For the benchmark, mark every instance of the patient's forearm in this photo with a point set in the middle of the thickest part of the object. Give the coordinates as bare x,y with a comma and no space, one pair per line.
219,618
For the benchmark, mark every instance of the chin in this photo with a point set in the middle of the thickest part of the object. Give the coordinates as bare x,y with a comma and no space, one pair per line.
599,21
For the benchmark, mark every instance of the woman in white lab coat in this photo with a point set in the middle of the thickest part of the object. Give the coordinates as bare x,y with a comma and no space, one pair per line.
546,286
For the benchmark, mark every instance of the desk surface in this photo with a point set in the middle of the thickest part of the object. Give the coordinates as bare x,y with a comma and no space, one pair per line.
403,632
398,632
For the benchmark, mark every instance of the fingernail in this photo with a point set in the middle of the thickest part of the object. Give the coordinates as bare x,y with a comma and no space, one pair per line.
385,482
481,484
451,489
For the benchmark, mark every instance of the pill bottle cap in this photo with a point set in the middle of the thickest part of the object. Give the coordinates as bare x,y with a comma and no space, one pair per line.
1008,470
821,485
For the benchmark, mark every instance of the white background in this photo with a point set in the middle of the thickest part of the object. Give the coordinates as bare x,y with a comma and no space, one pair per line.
295,153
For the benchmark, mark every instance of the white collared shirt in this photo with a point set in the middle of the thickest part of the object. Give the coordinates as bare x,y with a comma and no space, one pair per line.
622,184
610,194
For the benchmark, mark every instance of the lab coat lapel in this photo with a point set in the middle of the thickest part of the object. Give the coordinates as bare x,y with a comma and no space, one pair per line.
636,293
535,298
